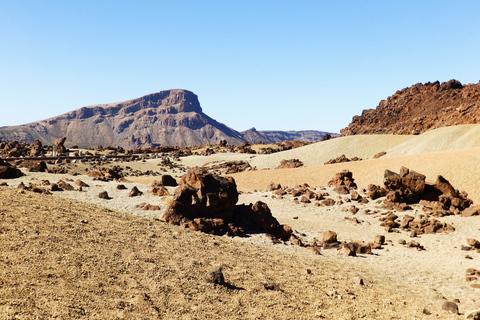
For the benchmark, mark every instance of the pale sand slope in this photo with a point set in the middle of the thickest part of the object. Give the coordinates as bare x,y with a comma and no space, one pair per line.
362,146
441,139
460,167
366,146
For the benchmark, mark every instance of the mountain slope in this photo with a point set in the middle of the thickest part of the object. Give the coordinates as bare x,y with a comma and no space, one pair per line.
271,136
420,108
170,117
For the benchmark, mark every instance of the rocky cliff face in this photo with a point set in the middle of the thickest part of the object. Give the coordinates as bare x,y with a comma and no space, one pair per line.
171,117
420,108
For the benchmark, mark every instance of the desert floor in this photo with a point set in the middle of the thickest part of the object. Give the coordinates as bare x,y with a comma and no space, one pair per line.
82,256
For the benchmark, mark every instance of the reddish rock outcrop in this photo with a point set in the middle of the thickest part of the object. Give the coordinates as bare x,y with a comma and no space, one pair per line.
419,108
344,178
291,163
207,202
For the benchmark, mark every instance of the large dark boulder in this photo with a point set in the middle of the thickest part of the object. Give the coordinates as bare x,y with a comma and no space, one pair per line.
207,202
8,171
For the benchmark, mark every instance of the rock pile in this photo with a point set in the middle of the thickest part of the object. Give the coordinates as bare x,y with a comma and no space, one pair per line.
409,187
106,174
207,202
420,108
341,159
289,164
231,167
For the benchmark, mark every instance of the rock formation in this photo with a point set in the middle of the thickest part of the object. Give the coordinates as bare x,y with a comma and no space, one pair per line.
420,108
170,117
165,118
207,202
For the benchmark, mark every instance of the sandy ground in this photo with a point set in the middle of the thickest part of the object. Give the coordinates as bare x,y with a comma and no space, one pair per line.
432,276
66,259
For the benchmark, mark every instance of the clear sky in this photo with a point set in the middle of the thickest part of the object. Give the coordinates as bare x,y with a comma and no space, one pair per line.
273,65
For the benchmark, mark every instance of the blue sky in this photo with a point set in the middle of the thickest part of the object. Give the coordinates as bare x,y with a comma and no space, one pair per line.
273,65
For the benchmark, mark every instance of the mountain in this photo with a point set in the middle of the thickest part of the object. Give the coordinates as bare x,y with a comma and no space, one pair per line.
165,118
254,136
170,117
419,108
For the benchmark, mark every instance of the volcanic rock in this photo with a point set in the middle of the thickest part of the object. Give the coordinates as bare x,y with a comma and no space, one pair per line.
419,108
291,163
344,178
207,202
8,171
34,166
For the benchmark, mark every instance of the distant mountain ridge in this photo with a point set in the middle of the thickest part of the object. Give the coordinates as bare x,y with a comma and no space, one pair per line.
272,136
166,118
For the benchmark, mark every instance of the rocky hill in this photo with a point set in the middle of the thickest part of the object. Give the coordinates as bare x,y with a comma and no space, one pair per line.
171,117
420,108
254,136
165,118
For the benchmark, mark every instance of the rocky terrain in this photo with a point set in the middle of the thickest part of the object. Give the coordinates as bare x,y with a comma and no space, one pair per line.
165,118
300,239
420,108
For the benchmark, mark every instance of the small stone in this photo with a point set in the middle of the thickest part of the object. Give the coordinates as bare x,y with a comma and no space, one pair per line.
329,237
135,192
474,243
450,306
215,276
104,195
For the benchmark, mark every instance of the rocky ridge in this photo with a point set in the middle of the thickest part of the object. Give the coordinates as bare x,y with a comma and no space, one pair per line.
170,117
166,118
420,108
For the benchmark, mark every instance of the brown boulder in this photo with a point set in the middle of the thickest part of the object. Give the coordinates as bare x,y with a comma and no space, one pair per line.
104,195
329,237
151,207
444,186
344,178
159,191
471,211
341,190
65,186
59,147
450,306
9,172
169,181
473,243
34,166
80,183
135,192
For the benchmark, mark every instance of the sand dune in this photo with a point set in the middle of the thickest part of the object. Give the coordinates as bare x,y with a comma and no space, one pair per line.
362,146
441,139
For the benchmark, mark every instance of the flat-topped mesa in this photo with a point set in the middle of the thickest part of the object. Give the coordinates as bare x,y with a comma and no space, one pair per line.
164,102
166,118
